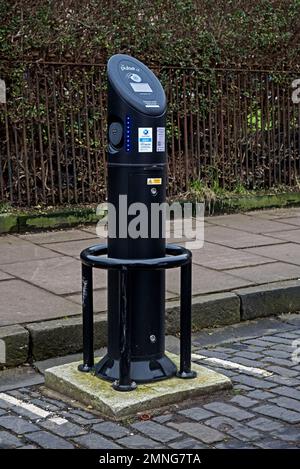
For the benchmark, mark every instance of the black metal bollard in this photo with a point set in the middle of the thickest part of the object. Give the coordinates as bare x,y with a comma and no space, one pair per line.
185,371
124,383
87,318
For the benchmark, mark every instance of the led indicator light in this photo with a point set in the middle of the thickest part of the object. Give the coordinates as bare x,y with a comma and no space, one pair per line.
127,133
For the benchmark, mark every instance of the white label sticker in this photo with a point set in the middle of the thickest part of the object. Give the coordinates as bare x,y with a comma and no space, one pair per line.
145,140
161,139
141,87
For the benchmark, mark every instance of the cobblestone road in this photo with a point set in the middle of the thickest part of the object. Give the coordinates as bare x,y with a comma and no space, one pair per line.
260,411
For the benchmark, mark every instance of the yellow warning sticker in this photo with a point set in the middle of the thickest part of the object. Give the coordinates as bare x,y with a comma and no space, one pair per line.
154,181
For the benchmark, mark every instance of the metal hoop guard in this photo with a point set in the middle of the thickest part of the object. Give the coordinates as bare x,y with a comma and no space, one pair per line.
176,256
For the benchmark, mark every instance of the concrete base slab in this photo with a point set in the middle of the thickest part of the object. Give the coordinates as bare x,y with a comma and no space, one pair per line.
90,390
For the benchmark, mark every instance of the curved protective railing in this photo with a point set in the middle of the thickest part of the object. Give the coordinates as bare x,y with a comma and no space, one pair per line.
176,256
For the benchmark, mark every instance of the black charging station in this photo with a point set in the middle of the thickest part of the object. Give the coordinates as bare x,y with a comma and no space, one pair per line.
137,169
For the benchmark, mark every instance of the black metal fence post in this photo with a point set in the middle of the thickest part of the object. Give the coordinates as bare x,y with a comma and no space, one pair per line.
124,383
186,321
87,319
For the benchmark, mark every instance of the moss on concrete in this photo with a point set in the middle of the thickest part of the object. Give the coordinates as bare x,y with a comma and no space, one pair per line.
87,388
56,219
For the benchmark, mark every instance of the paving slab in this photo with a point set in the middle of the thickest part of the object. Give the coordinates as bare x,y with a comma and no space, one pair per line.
273,272
90,390
14,249
4,276
73,248
90,229
232,258
287,252
100,296
100,299
276,213
219,257
22,302
60,275
292,221
237,238
289,235
47,237
205,281
245,223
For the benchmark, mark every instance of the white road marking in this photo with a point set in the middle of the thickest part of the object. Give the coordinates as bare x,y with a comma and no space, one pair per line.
58,420
32,408
232,365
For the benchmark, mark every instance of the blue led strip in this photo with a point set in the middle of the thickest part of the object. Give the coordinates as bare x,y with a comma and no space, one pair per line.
127,134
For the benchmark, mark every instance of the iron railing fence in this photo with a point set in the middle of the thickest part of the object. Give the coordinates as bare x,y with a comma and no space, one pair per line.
226,128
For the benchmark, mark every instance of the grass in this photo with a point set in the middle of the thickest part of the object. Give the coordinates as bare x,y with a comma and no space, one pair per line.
5,207
202,191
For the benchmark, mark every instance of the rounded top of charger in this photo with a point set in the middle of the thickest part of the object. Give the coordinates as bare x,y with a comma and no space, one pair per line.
136,84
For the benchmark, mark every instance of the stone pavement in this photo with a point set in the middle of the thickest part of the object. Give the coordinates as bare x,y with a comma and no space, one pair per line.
40,272
262,410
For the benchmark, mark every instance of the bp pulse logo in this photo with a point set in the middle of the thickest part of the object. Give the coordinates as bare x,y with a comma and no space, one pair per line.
124,67
127,67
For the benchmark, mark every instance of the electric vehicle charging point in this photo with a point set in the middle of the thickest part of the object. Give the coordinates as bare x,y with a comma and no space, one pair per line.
136,358
137,169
